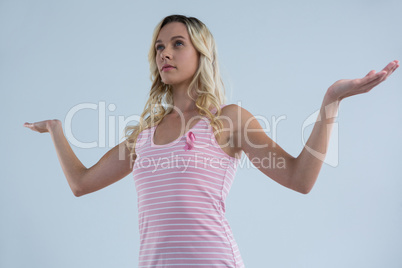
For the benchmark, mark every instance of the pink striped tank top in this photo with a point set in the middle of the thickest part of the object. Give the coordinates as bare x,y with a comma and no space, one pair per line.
181,189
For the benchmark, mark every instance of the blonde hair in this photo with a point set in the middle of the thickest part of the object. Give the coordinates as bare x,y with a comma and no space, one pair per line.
206,83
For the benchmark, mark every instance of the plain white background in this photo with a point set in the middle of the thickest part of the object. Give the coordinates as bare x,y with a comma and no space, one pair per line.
277,59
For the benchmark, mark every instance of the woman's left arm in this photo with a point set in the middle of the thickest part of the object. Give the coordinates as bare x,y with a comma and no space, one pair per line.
308,164
299,173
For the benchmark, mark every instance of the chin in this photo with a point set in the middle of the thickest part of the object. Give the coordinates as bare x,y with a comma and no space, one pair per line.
167,82
173,82
170,82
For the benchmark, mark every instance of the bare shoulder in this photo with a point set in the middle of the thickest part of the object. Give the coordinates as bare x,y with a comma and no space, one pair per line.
236,115
236,118
234,109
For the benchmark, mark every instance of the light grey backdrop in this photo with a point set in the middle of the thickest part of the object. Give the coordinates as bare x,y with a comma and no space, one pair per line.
277,59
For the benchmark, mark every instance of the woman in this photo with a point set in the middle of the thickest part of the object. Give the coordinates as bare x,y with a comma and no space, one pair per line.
184,154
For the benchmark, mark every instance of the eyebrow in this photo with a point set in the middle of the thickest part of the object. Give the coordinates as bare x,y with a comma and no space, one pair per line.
174,37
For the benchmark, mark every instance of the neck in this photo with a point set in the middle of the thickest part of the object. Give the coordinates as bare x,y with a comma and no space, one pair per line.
183,104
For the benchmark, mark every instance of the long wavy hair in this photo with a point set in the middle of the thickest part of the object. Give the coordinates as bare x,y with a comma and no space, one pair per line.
206,83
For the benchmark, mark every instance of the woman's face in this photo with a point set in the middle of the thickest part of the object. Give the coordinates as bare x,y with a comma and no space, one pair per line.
174,47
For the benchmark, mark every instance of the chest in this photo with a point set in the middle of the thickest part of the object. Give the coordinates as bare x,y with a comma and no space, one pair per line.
169,130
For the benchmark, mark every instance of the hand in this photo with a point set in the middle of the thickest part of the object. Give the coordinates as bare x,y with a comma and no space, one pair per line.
42,126
348,87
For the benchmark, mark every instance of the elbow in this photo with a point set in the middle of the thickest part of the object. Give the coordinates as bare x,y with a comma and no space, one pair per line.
78,191
304,191
77,194
78,187
303,186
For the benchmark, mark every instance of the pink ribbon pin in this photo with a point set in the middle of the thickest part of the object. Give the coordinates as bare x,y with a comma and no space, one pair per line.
190,138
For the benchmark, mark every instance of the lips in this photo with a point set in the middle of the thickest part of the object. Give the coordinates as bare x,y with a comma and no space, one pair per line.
167,67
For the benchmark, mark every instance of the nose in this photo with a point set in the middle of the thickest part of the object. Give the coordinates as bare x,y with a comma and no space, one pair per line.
165,54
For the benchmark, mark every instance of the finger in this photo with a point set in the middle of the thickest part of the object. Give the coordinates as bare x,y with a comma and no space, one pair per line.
367,87
391,71
370,73
26,124
380,76
368,79
390,66
395,67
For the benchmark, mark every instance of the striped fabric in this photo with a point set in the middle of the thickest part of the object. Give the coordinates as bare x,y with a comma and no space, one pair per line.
181,188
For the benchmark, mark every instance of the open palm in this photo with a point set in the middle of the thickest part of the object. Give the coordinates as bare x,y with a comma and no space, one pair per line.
348,87
41,126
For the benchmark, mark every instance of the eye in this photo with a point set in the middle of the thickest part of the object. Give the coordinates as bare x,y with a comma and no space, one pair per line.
179,42
176,43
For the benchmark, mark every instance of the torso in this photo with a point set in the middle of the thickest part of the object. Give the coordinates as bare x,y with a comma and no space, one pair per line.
171,128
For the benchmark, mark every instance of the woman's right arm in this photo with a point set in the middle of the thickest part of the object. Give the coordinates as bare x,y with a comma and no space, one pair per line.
113,166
